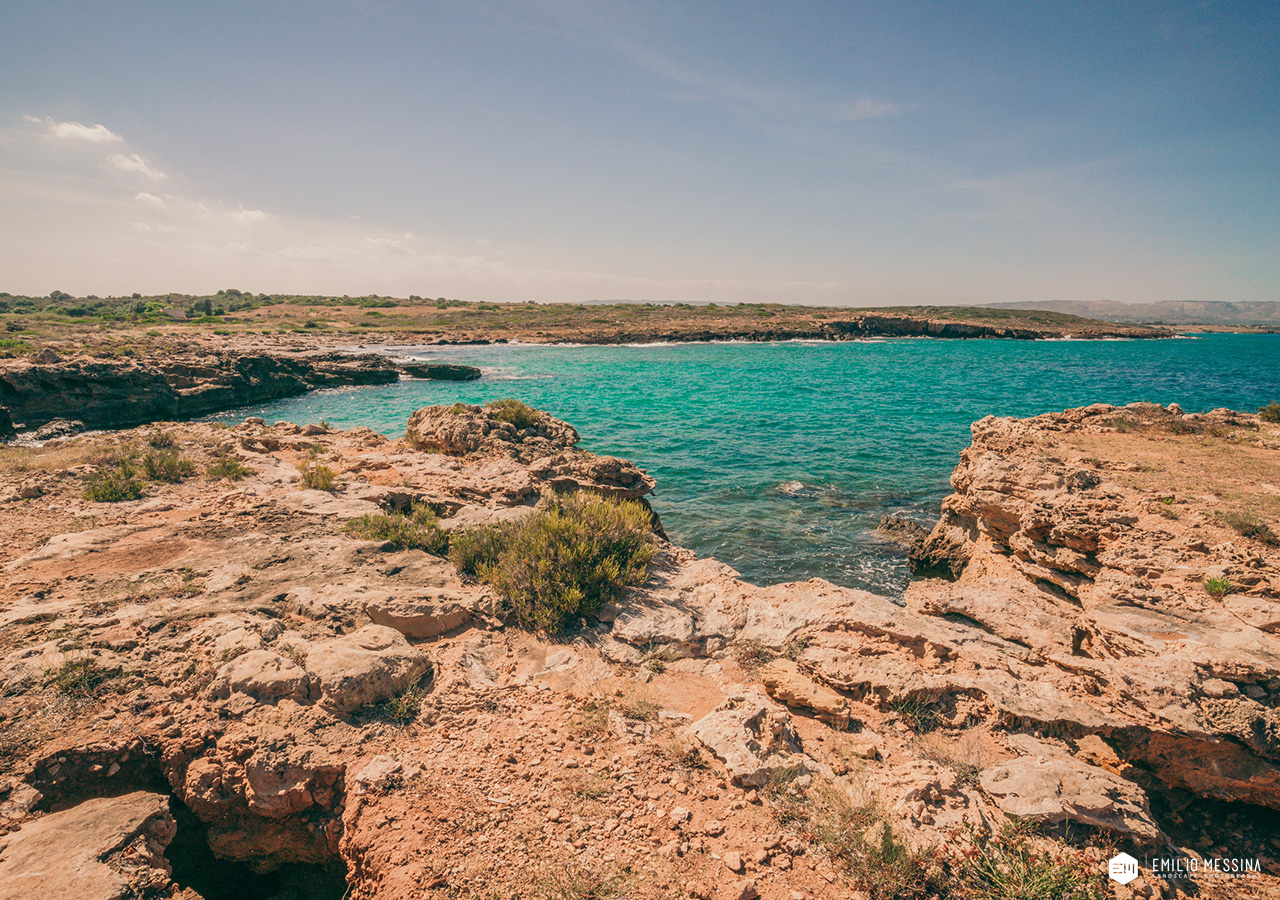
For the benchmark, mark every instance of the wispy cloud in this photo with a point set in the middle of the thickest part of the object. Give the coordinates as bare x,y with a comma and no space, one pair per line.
135,164
74,131
786,102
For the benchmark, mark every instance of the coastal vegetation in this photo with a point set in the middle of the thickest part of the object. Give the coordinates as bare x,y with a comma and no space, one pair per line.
513,412
138,325
318,477
114,483
228,467
417,529
1270,412
572,556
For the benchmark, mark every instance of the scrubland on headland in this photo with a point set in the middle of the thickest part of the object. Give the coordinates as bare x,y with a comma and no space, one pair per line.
251,659
137,326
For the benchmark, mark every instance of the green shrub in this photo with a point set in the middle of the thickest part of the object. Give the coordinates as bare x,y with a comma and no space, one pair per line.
228,467
161,439
573,555
115,484
1217,587
418,530
1251,527
476,550
1009,866
865,849
167,465
1270,412
318,477
513,411
78,678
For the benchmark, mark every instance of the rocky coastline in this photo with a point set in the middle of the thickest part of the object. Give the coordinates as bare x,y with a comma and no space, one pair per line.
220,668
120,393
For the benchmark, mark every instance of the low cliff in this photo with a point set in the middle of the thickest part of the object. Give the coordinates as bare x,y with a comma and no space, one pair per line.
122,393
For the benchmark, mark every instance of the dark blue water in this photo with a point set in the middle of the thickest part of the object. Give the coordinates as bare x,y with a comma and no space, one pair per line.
780,459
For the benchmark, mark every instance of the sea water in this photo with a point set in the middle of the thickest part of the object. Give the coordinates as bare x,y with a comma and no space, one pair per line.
780,458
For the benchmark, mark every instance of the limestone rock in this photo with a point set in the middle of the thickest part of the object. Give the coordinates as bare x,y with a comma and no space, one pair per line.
364,667
785,683
1052,787
752,736
265,676
421,617
460,430
110,848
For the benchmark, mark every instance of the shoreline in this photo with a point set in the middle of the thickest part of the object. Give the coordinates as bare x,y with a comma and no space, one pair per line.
255,656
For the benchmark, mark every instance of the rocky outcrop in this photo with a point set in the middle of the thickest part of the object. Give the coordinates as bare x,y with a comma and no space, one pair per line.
461,429
364,667
110,848
120,393
752,736
314,697
1051,787
1076,555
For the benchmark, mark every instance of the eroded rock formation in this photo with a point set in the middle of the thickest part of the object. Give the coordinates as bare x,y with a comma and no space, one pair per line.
313,697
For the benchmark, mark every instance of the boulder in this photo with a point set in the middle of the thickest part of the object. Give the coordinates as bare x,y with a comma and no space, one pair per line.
785,683
421,617
110,848
265,676
364,667
459,430
752,736
1047,786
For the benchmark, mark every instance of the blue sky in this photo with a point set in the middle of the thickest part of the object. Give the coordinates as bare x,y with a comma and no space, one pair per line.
841,153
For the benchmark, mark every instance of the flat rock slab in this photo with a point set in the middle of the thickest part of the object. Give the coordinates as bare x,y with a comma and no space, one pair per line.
364,667
65,855
1046,786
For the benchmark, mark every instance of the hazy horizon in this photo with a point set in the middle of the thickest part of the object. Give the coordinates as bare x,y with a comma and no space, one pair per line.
853,154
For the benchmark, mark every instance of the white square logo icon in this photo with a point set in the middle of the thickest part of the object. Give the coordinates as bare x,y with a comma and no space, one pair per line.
1123,868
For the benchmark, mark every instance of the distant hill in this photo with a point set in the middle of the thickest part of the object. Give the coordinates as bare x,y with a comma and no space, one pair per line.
1165,312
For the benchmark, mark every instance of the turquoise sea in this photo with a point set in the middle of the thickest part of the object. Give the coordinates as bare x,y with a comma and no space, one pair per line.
780,459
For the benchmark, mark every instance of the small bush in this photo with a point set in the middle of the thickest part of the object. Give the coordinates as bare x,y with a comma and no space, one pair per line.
402,708
228,467
593,719
916,711
1217,587
569,558
751,655
512,411
1251,527
477,550
167,465
639,709
418,530
161,440
318,477
78,678
1009,866
115,484
1270,412
866,850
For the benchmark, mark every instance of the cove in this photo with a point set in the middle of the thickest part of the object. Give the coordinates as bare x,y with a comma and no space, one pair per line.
780,458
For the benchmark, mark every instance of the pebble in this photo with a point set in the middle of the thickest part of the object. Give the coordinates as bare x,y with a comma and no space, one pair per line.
733,860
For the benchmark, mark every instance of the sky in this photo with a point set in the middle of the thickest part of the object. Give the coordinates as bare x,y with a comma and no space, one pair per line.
840,153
